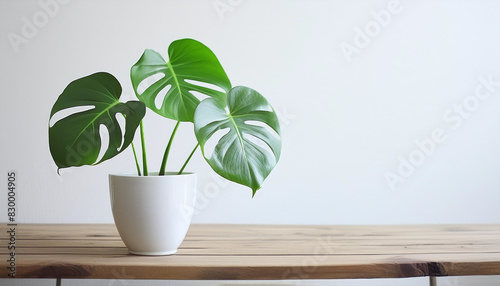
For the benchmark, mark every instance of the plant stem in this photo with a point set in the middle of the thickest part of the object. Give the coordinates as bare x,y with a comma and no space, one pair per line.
189,158
136,161
144,160
167,150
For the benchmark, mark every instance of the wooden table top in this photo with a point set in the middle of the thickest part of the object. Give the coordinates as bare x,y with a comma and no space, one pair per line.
241,252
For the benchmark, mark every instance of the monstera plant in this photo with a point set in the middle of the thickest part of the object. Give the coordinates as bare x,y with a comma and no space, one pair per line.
246,153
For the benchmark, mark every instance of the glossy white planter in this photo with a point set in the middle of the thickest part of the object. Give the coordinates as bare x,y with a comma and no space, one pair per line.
153,213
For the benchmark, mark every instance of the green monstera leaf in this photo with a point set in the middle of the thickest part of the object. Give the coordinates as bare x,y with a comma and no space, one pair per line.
167,87
75,139
251,145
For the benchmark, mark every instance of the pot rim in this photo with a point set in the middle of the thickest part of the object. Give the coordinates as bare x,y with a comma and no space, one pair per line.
153,175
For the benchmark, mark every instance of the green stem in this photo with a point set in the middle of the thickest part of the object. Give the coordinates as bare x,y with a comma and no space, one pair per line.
136,161
189,158
144,160
167,150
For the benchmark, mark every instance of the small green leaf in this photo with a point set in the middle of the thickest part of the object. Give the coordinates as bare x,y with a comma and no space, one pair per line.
251,148
75,139
191,63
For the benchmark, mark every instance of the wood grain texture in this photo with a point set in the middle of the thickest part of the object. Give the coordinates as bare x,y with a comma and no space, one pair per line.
245,252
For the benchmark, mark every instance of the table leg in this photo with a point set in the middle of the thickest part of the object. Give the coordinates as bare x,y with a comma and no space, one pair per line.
432,281
58,281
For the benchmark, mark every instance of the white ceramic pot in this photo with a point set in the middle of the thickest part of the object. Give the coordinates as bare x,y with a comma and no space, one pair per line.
153,213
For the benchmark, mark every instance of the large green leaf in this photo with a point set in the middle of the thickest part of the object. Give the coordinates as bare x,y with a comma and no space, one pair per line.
189,60
250,149
75,139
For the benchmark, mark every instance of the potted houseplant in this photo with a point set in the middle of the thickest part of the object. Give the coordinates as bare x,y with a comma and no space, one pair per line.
152,211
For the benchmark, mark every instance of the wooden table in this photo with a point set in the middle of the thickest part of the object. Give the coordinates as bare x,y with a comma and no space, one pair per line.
260,252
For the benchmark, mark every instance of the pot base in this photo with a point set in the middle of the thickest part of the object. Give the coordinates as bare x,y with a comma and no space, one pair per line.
153,253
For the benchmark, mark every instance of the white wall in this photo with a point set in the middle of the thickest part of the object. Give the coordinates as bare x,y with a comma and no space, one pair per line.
347,120
345,124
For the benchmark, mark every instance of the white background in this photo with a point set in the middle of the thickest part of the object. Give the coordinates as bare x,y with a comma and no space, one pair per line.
346,120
